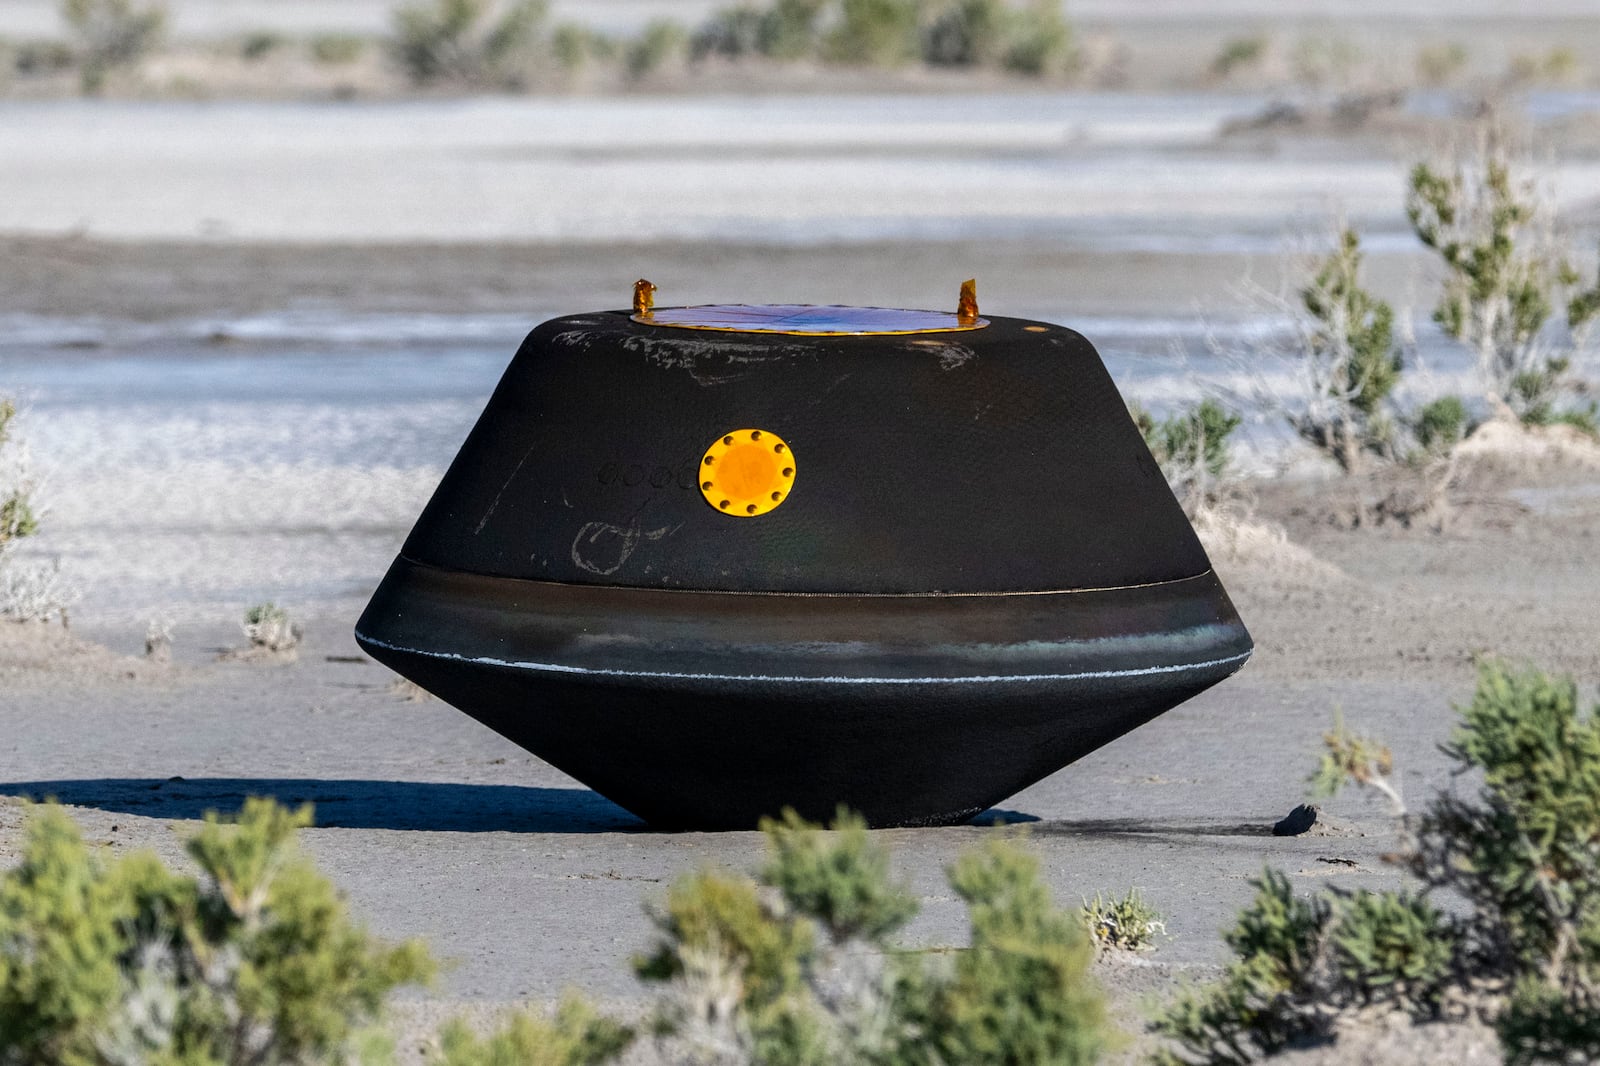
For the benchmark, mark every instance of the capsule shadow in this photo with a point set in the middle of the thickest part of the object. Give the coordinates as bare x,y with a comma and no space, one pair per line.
428,806
418,806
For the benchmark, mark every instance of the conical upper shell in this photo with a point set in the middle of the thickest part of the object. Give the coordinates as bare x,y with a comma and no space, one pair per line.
1000,459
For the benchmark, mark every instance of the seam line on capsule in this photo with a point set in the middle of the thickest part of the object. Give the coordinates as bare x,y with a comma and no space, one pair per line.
556,668
859,596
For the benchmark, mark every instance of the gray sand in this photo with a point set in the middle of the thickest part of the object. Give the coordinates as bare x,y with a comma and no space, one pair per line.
436,827
1087,168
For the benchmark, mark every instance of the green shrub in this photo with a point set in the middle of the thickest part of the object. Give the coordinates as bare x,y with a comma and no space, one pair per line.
1441,424
1534,393
1324,60
1352,361
1033,40
1543,1025
42,57
259,44
1238,53
1521,857
111,34
269,628
964,33
575,46
1585,420
17,516
1125,924
800,969
786,30
1349,757
1559,66
1380,947
17,519
473,43
732,33
254,961
714,913
576,1036
1439,64
1394,945
337,49
1336,299
790,28
1021,992
1503,282
1260,1004
662,42
1191,446
841,880
1199,437
877,33
1524,851
1038,40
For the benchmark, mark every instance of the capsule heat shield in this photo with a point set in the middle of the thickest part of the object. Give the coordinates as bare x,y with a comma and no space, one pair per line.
965,570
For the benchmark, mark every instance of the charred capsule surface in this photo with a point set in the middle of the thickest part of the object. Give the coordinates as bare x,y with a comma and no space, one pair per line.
713,571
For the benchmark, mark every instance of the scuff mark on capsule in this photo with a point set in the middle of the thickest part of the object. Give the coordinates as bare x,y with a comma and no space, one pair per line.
951,355
626,540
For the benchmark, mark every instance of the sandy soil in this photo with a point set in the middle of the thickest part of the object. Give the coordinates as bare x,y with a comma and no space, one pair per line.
436,827
1090,170
158,281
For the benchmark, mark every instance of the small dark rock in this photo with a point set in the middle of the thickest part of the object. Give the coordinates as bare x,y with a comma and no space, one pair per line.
1296,822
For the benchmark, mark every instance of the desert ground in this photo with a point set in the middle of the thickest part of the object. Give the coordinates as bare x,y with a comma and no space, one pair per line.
248,336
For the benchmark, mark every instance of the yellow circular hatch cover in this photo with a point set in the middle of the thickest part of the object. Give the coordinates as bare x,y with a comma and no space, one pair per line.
747,472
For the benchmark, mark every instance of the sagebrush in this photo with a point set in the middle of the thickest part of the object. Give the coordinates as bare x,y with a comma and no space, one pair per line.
1508,275
1331,374
270,628
1029,38
1192,447
467,43
577,1035
1520,855
18,518
35,593
110,34
254,961
1123,923
801,966
1351,358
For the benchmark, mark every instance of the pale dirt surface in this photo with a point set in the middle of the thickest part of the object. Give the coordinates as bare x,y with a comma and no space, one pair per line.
208,457
437,828
529,883
159,281
611,170
1089,169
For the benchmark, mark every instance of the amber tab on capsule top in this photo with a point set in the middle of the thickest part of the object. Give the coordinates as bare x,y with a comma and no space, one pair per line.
644,298
967,304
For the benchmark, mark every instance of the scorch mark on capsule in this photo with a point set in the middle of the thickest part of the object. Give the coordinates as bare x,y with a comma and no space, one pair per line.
951,355
631,537
494,503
